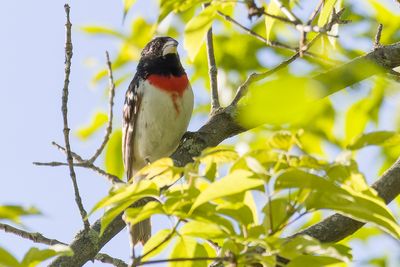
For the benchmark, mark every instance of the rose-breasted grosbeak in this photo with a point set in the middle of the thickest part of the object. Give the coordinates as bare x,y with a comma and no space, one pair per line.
157,110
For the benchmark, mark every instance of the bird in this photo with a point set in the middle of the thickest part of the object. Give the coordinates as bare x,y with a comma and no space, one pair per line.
156,113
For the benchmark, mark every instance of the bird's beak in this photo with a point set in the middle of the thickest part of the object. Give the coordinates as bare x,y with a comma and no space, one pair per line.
170,47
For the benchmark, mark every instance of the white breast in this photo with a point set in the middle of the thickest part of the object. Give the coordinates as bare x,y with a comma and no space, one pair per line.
162,120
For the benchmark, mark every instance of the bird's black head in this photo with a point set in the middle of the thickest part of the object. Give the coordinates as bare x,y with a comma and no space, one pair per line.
160,56
160,47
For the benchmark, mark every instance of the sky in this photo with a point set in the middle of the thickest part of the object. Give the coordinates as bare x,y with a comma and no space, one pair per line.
31,80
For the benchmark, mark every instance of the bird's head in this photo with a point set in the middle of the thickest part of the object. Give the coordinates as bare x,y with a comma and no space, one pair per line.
160,47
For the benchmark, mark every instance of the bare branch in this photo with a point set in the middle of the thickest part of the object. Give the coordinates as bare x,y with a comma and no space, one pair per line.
256,35
64,108
213,70
35,237
104,258
110,110
289,14
112,178
254,77
377,42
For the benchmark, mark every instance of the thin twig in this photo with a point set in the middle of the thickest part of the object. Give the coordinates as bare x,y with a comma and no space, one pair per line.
137,262
289,14
259,76
104,258
213,70
64,108
35,237
112,178
110,110
186,259
87,164
377,42
256,35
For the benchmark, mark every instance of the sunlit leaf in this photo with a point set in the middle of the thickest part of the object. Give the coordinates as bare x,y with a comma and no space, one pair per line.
202,230
364,207
14,212
279,101
187,247
113,156
196,29
100,30
379,138
326,11
272,9
98,120
156,244
136,215
127,6
7,259
35,256
234,183
218,155
130,193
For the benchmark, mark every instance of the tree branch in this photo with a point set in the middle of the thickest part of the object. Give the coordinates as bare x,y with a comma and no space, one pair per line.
39,238
223,125
110,110
213,70
35,237
64,108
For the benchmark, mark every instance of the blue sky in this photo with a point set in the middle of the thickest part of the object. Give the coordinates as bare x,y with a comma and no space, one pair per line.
31,79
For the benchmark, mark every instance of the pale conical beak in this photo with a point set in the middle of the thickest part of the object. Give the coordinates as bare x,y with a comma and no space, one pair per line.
170,47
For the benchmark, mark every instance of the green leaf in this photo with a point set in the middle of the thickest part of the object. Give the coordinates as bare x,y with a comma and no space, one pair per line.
236,182
7,259
326,195
127,5
135,215
218,155
196,30
100,30
113,157
280,101
13,212
239,211
273,9
277,212
128,193
378,138
188,247
111,214
326,12
99,119
312,261
206,230
35,256
156,243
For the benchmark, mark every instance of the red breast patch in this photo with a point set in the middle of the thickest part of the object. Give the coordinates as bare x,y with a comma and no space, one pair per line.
172,84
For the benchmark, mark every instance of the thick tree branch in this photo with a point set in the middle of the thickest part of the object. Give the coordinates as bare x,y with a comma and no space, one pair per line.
64,108
223,125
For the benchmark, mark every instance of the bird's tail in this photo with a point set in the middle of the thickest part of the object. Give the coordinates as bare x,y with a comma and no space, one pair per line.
140,232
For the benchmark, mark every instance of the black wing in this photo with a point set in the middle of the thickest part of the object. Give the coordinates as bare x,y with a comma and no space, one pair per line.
130,112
